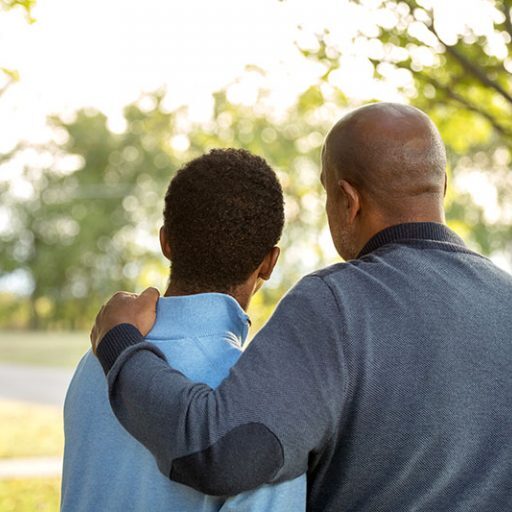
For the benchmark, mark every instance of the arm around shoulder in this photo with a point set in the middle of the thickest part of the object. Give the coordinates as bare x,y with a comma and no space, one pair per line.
261,424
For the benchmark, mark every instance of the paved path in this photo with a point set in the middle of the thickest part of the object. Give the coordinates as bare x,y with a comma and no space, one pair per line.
41,385
30,467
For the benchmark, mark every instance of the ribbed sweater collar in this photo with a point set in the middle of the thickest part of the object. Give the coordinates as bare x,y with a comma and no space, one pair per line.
414,231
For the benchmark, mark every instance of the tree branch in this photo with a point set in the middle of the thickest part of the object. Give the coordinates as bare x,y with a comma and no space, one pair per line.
10,81
449,91
508,20
469,66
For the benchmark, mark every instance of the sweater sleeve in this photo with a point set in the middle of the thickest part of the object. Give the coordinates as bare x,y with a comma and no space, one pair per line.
277,408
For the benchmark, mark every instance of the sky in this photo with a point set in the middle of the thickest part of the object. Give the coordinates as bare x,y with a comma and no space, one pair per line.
92,53
103,54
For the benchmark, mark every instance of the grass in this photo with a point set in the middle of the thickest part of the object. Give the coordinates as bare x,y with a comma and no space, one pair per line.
30,495
28,430
62,349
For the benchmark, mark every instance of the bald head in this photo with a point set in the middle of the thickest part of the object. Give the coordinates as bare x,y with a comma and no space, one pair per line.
389,151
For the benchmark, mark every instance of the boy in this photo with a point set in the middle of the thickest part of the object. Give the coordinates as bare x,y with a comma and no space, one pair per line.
223,217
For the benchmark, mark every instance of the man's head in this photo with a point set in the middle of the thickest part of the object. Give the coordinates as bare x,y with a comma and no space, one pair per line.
382,164
223,217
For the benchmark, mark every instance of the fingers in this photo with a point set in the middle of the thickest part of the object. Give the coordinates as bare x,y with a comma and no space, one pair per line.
150,292
121,296
94,331
149,296
125,307
92,337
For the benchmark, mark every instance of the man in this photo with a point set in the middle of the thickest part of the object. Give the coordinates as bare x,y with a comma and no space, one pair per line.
222,220
387,377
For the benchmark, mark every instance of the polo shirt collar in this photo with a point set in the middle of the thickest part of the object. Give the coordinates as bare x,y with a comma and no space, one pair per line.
201,314
414,231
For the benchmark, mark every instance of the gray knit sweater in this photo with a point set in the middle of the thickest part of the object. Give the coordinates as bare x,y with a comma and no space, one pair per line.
388,378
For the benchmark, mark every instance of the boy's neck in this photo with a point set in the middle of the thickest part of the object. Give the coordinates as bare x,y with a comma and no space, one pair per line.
240,293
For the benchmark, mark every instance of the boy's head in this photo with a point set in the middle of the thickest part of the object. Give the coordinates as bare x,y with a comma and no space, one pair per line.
223,217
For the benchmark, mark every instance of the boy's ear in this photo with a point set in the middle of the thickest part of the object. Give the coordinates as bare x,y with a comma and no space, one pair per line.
268,264
164,244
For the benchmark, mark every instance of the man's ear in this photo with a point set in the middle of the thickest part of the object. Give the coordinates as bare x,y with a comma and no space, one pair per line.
164,244
445,184
268,264
352,199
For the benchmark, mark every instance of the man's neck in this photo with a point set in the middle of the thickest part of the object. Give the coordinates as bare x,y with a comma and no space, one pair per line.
379,222
239,293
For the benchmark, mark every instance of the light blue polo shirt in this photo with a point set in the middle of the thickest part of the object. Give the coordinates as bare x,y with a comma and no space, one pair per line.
105,469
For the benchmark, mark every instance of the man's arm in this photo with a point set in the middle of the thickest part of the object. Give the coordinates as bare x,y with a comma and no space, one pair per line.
279,405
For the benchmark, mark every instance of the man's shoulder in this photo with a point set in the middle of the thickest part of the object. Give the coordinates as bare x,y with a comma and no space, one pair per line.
336,268
316,291
352,279
338,272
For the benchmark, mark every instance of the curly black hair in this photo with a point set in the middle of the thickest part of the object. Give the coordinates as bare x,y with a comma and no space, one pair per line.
223,213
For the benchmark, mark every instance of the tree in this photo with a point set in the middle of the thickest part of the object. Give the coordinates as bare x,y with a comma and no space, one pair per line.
89,224
77,233
291,144
26,5
10,75
460,75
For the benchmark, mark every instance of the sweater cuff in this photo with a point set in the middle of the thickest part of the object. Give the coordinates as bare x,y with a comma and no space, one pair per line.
116,341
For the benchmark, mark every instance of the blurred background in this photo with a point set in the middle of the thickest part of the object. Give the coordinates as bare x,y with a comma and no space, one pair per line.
101,103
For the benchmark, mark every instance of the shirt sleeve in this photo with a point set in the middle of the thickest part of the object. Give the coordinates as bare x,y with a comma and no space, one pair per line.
289,496
277,408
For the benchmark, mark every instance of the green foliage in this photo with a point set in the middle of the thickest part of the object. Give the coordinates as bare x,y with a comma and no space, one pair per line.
84,229
89,222
11,75
292,147
463,83
26,5
76,234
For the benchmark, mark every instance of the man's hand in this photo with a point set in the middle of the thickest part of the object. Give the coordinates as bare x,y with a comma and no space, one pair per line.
126,308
